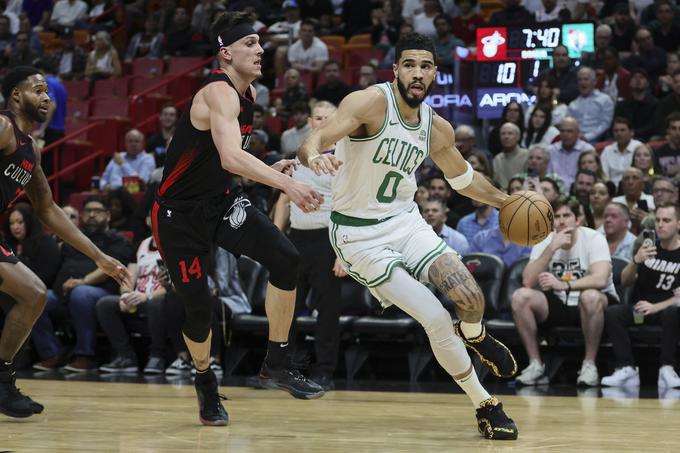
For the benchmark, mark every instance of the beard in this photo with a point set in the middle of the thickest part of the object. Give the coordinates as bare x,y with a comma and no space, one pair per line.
90,229
411,101
34,114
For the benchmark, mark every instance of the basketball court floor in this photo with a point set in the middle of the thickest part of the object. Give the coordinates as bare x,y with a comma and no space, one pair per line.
99,416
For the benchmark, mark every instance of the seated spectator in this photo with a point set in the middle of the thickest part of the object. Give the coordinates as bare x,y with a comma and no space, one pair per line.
613,80
33,37
572,269
259,115
592,109
134,162
540,128
37,250
538,160
599,199
618,156
165,15
665,29
438,189
603,39
512,113
565,153
652,271
367,77
493,242
640,106
550,188
424,23
21,54
647,55
72,214
668,155
103,16
513,14
147,43
308,53
464,24
388,59
262,96
294,93
103,61
157,143
483,218
512,159
334,90
147,297
644,159
615,229
550,11
122,206
563,75
481,163
639,203
434,213
279,33
546,96
181,39
203,15
623,28
664,86
292,138
664,191
583,183
70,60
77,288
590,160
68,13
466,142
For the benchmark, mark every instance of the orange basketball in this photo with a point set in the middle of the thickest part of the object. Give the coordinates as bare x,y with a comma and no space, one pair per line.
526,218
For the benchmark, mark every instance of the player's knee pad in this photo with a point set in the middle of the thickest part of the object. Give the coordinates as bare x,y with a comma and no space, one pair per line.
283,265
198,307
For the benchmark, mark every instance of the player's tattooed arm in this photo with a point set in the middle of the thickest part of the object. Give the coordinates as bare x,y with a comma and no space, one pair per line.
452,278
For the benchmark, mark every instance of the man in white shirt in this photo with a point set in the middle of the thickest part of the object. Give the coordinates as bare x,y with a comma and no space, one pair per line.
619,155
134,162
592,109
572,269
308,53
67,13
292,138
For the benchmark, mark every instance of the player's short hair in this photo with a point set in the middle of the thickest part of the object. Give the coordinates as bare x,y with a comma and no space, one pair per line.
414,41
15,77
570,202
623,120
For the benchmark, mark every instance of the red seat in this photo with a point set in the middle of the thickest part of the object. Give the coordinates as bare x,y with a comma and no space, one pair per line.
273,123
599,146
77,109
109,107
140,83
358,57
117,88
337,55
149,67
77,199
181,64
77,88
72,125
384,75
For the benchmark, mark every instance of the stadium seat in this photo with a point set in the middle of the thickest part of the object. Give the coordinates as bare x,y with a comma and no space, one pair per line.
149,67
77,109
79,89
360,55
384,75
254,279
81,38
177,65
109,107
116,88
337,55
488,272
364,38
500,324
617,267
274,123
333,41
141,83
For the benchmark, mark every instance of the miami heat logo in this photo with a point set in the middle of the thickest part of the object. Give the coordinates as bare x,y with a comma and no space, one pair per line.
237,212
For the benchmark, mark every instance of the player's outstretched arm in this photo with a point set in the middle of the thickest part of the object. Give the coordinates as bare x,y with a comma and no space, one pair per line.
38,191
451,162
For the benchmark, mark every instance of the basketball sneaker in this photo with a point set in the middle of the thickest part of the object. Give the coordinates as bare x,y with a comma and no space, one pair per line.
493,423
588,374
214,365
210,409
492,352
533,374
290,380
155,365
179,367
121,364
668,377
626,376
12,402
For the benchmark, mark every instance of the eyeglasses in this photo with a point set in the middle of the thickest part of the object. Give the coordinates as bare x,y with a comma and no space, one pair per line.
662,189
96,211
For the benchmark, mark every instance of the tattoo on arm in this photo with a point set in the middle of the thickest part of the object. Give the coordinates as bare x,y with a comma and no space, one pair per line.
452,278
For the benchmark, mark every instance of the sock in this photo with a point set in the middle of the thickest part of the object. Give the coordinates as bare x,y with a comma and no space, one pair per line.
277,354
471,329
473,388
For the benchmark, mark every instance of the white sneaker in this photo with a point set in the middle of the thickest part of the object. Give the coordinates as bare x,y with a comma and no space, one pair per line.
588,374
179,367
668,377
626,376
533,374
216,367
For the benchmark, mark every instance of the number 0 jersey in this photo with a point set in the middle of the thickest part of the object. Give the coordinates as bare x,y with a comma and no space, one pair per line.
377,177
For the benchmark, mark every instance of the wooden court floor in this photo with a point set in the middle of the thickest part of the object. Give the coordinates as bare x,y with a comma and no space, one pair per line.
111,417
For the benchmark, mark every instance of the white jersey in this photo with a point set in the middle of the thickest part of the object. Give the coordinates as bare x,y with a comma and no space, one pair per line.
377,178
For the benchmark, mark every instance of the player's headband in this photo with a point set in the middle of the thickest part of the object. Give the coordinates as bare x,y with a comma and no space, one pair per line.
231,36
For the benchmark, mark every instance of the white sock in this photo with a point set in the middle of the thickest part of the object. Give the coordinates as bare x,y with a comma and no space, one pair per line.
471,329
473,388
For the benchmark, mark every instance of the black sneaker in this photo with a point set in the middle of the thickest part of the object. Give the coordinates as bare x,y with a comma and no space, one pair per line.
155,365
325,381
492,352
493,423
121,364
290,380
12,402
210,409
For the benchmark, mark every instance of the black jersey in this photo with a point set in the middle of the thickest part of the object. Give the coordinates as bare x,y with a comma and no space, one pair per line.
658,276
17,168
193,170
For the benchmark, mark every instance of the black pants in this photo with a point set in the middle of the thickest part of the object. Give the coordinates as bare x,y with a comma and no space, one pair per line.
316,272
619,317
47,160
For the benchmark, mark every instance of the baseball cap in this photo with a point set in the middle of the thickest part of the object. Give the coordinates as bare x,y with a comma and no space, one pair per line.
290,4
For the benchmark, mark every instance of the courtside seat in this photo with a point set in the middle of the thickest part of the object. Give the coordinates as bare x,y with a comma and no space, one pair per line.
501,324
254,279
488,273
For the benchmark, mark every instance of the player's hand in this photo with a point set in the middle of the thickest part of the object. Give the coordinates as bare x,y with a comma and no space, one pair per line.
306,198
285,166
338,270
561,239
647,308
548,281
324,163
644,253
115,269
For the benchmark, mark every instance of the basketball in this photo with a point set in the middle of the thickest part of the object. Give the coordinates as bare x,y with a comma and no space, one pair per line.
526,218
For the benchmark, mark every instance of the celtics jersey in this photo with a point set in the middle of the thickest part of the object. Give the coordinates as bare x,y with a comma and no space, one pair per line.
377,177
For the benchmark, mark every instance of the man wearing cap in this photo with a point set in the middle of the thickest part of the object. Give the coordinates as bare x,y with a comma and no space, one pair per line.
640,106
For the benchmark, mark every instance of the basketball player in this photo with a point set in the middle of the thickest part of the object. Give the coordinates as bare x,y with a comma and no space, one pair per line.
383,133
198,204
25,91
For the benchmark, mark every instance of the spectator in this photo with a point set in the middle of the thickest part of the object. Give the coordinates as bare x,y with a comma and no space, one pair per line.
388,59
540,129
665,29
68,13
565,153
103,61
76,290
613,80
21,54
147,43
593,110
480,163
385,27
572,268
643,158
203,14
599,198
483,218
181,39
146,297
615,229
283,33
668,155
513,158
647,11
653,271
493,242
590,160
664,86
52,129
122,206
538,160
72,213
274,139
550,188
356,17
70,60
33,37
294,93
423,22
438,189
334,90
157,143
261,94
103,16
367,77
583,183
634,198
667,106
435,214
38,12
134,162
514,14
308,53
640,106
618,156
515,184
292,138
466,142
465,24
603,39
512,113
647,56
445,42
37,250
563,75
664,191
165,15
550,11
623,28
6,39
